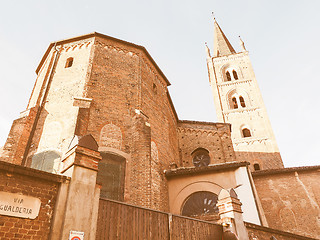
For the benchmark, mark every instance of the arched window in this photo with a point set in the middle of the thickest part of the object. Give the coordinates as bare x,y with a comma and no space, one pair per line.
256,166
111,176
242,103
235,75
199,204
69,62
246,132
234,102
228,76
200,157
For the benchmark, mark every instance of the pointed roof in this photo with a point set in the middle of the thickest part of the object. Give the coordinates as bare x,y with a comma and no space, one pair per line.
222,46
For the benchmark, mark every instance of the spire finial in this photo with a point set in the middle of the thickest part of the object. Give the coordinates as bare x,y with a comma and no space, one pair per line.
243,48
208,50
214,18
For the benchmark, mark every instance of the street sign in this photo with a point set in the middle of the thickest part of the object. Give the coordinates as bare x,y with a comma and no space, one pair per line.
75,235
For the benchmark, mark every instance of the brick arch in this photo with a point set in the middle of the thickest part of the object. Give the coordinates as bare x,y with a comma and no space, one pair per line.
237,92
192,188
230,67
110,136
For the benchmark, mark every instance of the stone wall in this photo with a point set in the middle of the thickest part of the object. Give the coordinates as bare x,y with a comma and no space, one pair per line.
291,199
34,183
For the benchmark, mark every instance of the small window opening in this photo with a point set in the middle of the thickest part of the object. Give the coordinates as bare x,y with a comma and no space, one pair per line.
256,166
69,62
234,102
243,104
235,75
246,132
228,76
154,88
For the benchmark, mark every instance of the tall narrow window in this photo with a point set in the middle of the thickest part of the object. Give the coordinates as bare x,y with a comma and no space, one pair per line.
111,176
69,62
246,132
242,103
228,76
234,102
235,75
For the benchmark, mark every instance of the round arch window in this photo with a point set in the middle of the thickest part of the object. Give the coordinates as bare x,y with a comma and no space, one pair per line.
200,157
199,204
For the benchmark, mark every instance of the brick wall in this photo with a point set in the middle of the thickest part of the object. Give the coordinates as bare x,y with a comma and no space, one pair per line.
125,79
214,137
256,232
291,198
29,182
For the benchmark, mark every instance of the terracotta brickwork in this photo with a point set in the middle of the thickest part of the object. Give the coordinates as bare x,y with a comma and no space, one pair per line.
291,199
214,137
14,148
256,232
29,182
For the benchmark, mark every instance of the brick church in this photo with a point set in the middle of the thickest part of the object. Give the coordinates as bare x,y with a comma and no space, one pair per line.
100,133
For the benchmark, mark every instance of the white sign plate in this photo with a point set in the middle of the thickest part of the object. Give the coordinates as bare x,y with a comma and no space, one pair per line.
75,235
18,205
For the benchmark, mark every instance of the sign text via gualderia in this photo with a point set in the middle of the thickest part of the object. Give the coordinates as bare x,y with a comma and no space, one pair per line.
18,205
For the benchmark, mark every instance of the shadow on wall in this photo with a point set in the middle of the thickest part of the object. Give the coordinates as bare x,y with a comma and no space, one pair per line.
45,160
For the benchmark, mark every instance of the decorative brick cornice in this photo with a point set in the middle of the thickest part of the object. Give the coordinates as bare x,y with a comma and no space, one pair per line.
235,82
202,131
94,35
249,140
240,110
200,170
230,57
184,125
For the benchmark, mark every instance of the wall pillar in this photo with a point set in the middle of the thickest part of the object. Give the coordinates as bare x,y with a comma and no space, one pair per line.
82,201
231,214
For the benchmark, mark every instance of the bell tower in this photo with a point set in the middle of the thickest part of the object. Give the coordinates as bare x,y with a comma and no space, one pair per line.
238,101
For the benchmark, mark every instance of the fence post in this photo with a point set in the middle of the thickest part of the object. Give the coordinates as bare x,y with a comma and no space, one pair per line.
81,164
231,214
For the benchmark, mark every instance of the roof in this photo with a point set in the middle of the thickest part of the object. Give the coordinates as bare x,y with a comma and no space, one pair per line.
96,34
200,170
284,170
204,123
222,46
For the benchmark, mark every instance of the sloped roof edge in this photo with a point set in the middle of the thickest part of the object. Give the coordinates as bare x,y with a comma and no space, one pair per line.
284,170
96,34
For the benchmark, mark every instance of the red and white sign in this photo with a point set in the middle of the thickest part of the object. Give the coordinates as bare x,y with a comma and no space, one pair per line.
75,235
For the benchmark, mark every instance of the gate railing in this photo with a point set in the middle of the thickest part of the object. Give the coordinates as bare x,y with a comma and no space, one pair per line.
117,220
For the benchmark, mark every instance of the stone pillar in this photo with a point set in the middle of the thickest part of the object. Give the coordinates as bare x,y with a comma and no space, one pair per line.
80,163
231,214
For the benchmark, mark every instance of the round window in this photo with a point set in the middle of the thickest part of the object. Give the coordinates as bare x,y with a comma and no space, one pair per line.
201,158
200,203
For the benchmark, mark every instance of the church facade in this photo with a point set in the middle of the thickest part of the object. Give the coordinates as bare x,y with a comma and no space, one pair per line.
111,94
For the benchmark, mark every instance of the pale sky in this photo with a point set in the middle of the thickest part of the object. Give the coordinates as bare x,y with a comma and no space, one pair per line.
282,38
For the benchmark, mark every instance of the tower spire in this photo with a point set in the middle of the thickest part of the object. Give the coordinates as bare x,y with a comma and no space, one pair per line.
222,46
